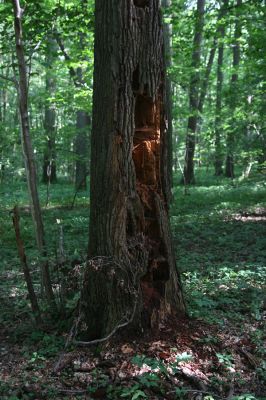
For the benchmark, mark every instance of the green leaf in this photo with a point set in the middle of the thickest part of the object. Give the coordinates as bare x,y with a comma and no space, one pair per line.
138,394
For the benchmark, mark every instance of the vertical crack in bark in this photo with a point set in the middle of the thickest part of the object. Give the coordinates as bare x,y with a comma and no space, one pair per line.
146,157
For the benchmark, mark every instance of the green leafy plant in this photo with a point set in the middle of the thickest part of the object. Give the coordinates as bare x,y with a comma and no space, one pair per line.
180,393
149,380
134,392
225,359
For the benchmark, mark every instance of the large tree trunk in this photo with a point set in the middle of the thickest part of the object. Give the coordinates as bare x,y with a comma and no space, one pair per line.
49,164
28,151
218,161
229,165
188,174
131,276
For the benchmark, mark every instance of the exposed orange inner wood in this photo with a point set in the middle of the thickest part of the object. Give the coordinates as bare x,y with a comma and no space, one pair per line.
146,157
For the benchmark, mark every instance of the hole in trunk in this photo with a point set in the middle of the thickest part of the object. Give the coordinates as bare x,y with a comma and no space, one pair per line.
145,113
146,157
146,140
160,270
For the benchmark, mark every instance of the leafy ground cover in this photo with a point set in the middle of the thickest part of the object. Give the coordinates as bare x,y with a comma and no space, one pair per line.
217,353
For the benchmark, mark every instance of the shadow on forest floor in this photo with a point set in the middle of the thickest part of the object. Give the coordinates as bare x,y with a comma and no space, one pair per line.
219,353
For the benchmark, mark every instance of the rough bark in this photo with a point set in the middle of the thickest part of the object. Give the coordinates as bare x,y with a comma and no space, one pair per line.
218,162
188,175
27,148
49,163
131,276
229,164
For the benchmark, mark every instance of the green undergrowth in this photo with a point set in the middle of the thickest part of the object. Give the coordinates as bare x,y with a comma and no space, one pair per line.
58,213
219,235
65,227
213,197
218,232
219,239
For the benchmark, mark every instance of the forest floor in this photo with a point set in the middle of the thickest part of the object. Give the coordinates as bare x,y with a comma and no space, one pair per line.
217,353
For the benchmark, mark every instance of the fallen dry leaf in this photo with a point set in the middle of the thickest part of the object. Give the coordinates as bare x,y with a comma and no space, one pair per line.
126,349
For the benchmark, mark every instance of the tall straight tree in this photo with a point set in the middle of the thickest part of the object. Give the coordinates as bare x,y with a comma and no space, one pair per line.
218,162
229,164
83,119
49,163
131,277
218,34
27,148
205,84
206,78
167,29
194,87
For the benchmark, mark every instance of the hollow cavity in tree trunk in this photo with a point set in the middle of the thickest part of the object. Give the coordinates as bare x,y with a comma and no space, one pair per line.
146,157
